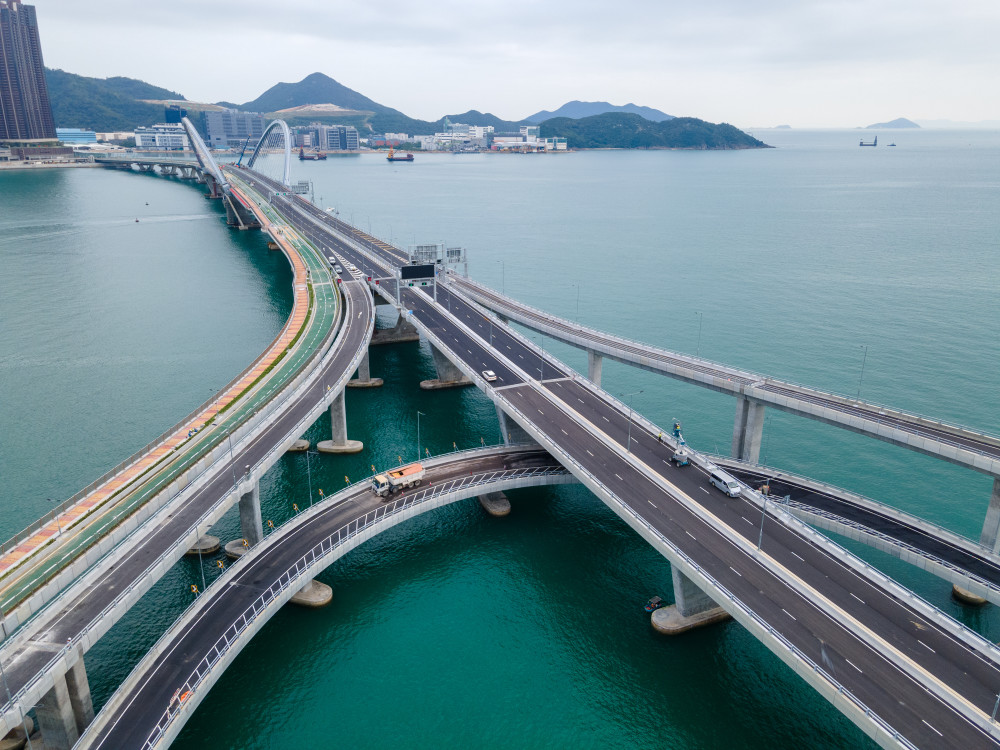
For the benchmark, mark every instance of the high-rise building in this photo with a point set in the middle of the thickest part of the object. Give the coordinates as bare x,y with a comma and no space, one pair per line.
25,112
230,128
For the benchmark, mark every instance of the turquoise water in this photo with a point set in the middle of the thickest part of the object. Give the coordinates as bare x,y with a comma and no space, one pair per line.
458,629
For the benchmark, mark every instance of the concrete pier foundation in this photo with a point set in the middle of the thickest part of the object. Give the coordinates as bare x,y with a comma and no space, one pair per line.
364,378
204,546
748,429
692,608
66,710
511,431
251,524
595,362
495,503
299,446
338,430
990,535
314,594
402,332
449,376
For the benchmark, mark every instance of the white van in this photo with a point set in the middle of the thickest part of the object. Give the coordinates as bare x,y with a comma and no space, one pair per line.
724,482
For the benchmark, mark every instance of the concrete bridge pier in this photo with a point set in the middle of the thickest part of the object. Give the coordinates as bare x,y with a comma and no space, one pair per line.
338,424
251,522
66,710
364,378
495,503
237,216
990,536
511,431
748,429
402,332
595,363
449,376
692,608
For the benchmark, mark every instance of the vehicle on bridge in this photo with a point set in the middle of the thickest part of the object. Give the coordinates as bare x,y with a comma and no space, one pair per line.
724,482
398,479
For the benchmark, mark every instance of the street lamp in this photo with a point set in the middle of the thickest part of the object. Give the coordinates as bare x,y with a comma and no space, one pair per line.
419,415
863,360
628,445
701,319
763,514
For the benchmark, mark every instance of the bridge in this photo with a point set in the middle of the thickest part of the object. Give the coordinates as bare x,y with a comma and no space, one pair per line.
900,669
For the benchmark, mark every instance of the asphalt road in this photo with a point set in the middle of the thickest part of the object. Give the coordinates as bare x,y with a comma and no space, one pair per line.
143,707
869,412
867,621
73,615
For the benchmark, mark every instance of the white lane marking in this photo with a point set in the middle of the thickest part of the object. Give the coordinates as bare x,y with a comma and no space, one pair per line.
651,503
798,556
747,520
580,400
690,535
703,490
935,731
857,597
541,412
619,477
591,454
853,665
738,573
789,614
607,420
926,646
564,432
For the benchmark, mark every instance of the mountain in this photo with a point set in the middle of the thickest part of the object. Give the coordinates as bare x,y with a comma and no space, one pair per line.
314,89
479,119
625,130
103,104
899,122
576,109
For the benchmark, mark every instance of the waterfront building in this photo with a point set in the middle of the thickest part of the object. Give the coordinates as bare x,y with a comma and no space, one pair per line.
114,137
174,113
25,112
163,136
76,135
230,128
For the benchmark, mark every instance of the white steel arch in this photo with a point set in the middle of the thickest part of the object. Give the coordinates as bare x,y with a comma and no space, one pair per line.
286,179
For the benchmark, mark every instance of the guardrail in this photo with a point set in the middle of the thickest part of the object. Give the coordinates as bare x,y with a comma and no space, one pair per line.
138,580
511,304
290,577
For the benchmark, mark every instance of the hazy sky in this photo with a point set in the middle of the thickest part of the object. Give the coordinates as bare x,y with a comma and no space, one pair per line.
769,62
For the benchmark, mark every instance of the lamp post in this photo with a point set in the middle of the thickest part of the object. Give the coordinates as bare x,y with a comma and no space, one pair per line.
701,318
628,445
763,514
309,479
419,415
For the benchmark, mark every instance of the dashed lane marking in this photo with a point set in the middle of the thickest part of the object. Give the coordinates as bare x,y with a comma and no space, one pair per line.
926,646
853,665
798,556
703,490
932,728
691,535
789,614
619,477
741,575
857,597
591,454
651,503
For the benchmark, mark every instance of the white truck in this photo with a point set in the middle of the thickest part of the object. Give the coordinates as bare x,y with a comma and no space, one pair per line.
398,479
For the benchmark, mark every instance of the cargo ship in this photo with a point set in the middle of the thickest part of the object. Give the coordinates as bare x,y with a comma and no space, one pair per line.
311,156
393,157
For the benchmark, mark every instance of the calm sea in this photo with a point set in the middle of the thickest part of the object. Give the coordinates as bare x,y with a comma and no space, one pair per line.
808,262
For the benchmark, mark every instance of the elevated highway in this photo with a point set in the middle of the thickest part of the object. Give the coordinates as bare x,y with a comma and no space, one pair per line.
105,563
904,672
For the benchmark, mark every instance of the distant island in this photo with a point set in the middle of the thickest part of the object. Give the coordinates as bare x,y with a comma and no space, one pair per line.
899,122
121,104
624,130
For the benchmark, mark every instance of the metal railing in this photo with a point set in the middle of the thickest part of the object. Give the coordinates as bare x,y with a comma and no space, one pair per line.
326,547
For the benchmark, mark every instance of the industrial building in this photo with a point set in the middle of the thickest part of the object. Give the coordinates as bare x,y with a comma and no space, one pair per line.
230,128
164,136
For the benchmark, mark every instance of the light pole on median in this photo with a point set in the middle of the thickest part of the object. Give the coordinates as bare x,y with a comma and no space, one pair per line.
628,445
763,514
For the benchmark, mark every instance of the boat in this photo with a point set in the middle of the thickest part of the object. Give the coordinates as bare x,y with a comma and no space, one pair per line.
392,156
873,143
654,604
311,156
891,145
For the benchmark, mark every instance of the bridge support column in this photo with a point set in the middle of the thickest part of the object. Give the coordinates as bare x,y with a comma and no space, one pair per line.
692,608
990,536
251,523
338,429
511,432
364,378
314,594
66,710
401,332
594,364
748,429
495,503
449,376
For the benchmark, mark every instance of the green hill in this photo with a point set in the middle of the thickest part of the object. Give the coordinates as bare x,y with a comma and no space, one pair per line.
623,130
103,104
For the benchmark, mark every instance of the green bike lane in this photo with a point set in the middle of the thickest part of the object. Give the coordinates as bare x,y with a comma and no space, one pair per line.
323,304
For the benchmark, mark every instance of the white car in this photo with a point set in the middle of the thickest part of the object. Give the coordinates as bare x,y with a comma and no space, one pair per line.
489,376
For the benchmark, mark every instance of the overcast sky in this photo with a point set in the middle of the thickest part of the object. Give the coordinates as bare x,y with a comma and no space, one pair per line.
840,63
